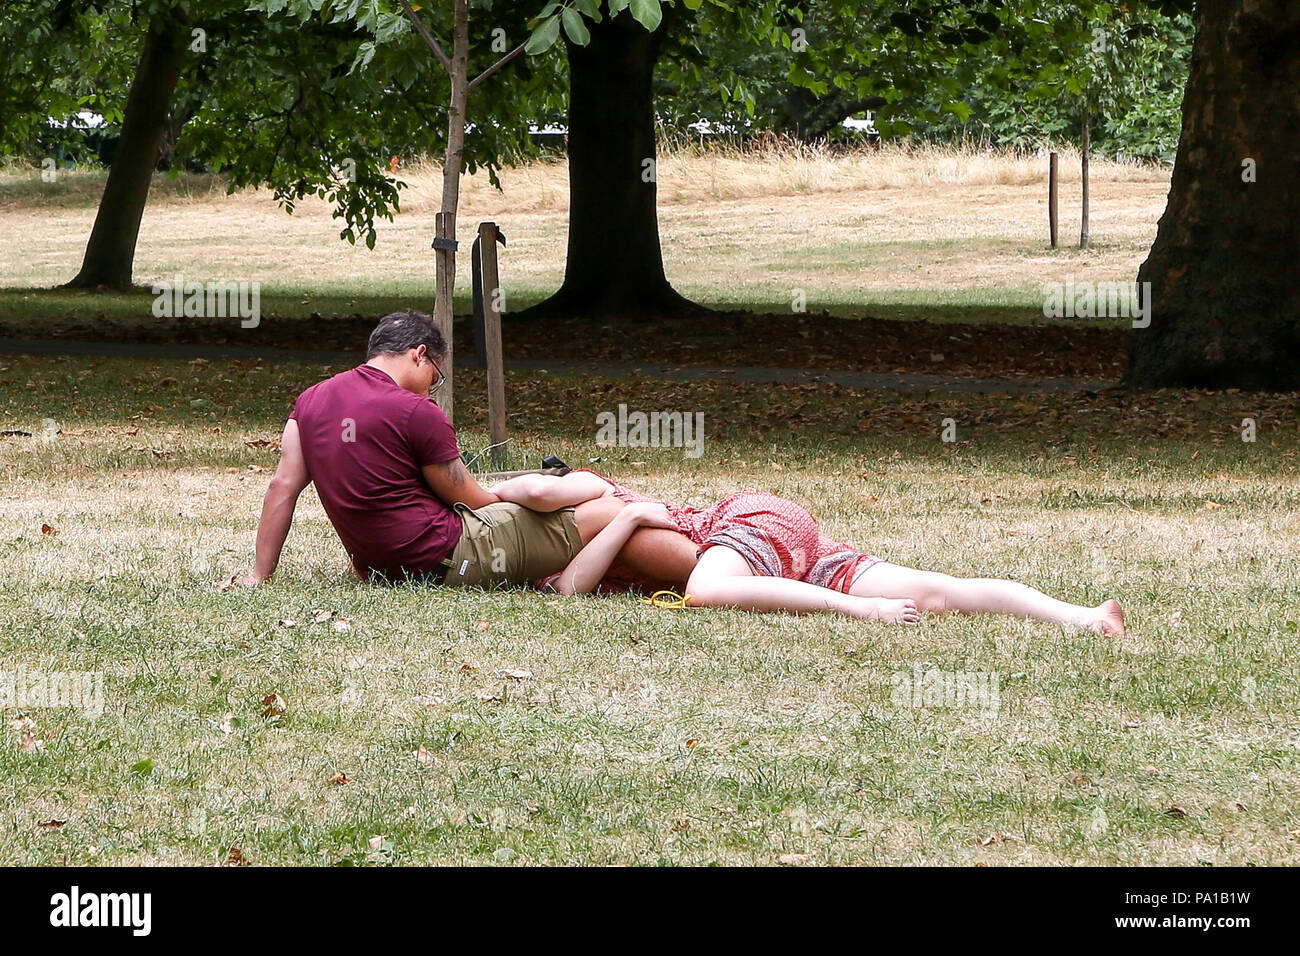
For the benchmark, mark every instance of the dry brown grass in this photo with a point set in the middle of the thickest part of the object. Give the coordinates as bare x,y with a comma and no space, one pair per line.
849,228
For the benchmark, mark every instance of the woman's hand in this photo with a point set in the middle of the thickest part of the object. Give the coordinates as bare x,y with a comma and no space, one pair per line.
650,514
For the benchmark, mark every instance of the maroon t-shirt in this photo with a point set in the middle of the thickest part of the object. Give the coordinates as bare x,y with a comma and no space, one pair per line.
364,440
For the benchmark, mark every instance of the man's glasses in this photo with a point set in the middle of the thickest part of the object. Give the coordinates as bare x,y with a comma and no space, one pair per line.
441,377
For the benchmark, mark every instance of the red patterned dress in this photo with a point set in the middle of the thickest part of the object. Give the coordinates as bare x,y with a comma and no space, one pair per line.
776,537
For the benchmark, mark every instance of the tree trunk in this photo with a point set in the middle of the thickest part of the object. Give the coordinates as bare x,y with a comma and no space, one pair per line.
110,252
614,265
1225,302
453,160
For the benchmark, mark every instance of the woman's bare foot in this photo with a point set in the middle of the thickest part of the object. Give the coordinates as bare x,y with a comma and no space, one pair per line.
1108,619
891,611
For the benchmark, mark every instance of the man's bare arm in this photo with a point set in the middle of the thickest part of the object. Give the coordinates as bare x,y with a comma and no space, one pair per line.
452,482
287,483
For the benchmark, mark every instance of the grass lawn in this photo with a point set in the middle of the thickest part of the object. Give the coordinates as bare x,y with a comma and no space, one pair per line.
633,735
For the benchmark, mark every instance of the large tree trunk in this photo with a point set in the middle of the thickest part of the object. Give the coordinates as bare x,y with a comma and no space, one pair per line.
1225,300
111,250
614,265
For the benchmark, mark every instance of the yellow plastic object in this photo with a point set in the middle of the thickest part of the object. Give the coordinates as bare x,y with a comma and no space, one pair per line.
668,600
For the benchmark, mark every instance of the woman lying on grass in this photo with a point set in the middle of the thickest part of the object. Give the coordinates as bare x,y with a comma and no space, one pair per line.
759,552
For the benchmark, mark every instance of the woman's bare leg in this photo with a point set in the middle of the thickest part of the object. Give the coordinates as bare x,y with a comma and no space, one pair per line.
722,578
552,492
933,591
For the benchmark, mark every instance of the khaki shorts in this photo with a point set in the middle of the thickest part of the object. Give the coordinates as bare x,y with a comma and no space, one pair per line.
506,543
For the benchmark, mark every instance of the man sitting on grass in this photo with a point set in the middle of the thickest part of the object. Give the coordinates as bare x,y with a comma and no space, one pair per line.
389,474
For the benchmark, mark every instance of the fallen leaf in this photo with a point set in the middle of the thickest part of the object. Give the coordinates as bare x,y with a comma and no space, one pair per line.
275,706
793,859
1151,771
227,724
322,615
489,696
285,622
48,529
30,744
1212,504
482,626
235,857
518,673
468,669
1175,811
50,824
422,754
340,779
22,723
376,842
681,824
342,624
691,743
71,431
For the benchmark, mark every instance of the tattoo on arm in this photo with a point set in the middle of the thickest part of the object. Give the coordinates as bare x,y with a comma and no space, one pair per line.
455,472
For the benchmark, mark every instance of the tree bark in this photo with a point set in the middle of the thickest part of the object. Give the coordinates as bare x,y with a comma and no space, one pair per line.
1225,300
453,160
110,253
614,265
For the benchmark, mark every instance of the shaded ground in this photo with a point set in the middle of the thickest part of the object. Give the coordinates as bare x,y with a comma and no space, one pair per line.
726,339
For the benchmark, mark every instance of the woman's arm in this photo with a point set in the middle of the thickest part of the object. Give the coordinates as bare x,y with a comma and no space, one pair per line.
590,565
552,492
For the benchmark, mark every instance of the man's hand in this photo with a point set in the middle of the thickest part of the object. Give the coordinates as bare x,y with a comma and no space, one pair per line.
235,581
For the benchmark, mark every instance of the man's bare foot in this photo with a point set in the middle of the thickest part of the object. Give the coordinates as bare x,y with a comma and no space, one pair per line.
891,611
1108,619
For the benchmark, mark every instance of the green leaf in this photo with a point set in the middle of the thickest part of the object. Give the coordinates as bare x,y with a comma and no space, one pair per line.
143,767
647,13
365,53
575,28
544,37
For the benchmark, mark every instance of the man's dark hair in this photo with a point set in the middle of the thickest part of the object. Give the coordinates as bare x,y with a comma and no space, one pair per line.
399,332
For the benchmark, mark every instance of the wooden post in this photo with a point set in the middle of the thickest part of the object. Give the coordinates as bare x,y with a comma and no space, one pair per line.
1051,196
1083,222
445,228
496,379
